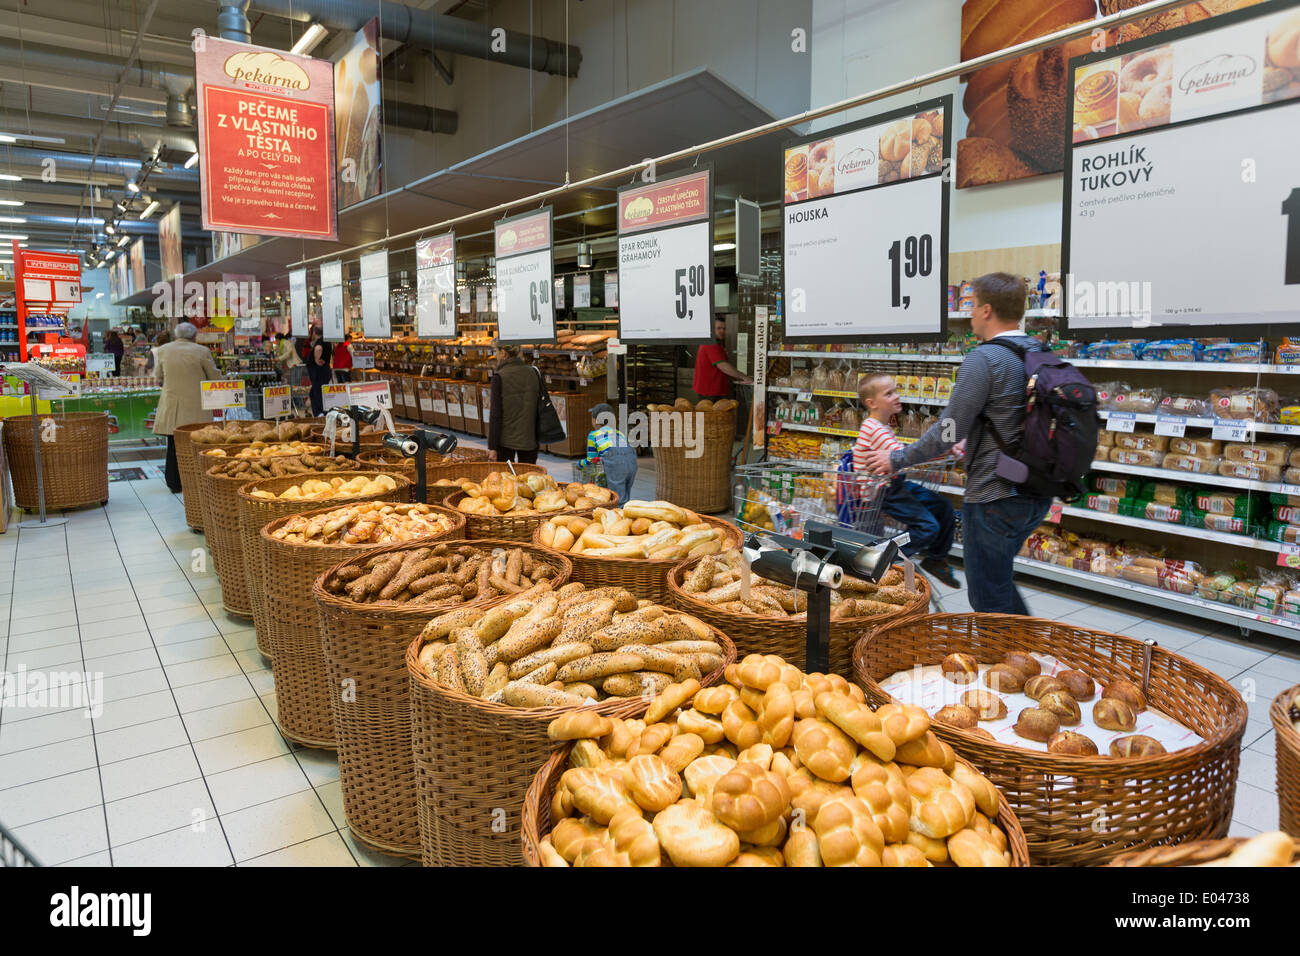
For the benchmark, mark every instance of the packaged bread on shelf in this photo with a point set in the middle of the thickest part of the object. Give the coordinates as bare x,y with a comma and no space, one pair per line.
1142,441
1185,406
1250,471
1245,404
1145,459
1196,447
1105,439
1259,453
1191,463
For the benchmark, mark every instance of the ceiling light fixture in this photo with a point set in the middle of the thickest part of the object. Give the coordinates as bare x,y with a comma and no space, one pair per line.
11,178
133,187
192,161
123,241
723,246
11,235
12,219
14,137
11,202
584,254
309,40
149,209
111,229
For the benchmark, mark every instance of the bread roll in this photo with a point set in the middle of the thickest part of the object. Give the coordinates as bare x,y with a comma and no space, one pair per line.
903,722
740,725
1005,679
1136,745
1079,684
1127,691
692,836
672,697
857,720
1071,743
981,732
824,749
809,792
759,856
882,787
1065,707
579,725
957,715
597,793
960,668
846,833
926,751
971,848
714,700
980,786
986,704
1110,713
902,854
776,714
681,750
709,729
1034,723
748,797
702,773
801,848
1036,687
940,805
1027,664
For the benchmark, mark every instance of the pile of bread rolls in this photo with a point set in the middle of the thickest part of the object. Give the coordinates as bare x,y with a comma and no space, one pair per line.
703,405
261,449
280,467
656,530
371,522
504,493
443,573
566,647
717,581
772,768
238,432
315,488
1059,699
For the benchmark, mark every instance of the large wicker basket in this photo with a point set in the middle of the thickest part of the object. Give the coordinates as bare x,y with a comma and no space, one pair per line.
1084,810
187,467
74,459
703,483
368,645
448,466
1192,853
386,456
644,577
537,812
1288,760
785,637
475,760
256,513
304,695
510,527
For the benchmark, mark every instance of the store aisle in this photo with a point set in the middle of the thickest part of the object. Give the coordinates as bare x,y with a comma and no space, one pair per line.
184,764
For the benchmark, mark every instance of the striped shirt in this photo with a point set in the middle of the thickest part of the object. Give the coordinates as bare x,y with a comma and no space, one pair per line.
991,380
872,436
603,439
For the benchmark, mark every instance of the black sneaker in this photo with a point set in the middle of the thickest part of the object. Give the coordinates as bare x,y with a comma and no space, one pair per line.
942,570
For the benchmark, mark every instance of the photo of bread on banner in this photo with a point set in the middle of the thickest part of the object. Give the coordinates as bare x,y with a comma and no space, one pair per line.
717,581
567,647
503,493
657,530
1282,69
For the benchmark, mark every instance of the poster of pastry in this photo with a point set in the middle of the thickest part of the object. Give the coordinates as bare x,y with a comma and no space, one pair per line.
435,274
137,266
865,228
1015,110
169,243
357,118
1181,207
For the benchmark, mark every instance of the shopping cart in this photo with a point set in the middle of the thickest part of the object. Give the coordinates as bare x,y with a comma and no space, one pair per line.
782,496
13,853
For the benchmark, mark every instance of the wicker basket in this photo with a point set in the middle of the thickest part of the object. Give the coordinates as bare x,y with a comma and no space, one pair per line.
303,692
475,760
1192,853
786,637
643,577
74,464
256,513
1288,761
704,483
511,527
537,812
1084,810
389,459
188,469
368,644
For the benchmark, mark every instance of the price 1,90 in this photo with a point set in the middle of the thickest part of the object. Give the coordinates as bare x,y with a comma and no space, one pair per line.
910,257
688,281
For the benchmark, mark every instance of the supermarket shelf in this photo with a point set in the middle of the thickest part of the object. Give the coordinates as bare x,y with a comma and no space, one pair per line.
838,432
1263,428
1118,587
1165,527
1208,480
874,356
1220,367
826,393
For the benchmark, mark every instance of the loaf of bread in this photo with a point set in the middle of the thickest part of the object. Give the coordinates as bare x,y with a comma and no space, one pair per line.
1250,471
1259,453
1142,441
1192,463
1196,447
1128,456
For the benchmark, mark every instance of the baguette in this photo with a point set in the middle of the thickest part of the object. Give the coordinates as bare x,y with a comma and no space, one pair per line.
681,668
552,655
533,637
599,665
519,694
473,668
449,675
444,624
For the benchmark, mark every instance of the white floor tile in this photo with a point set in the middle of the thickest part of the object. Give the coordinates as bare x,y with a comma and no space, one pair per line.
1103,618
107,612
226,719
191,613
53,760
331,795
116,644
62,657
1167,632
43,730
256,783
241,640
42,639
52,797
1264,743
140,739
321,766
159,811
1229,651
239,749
50,620
150,680
67,837
1228,672
327,850
203,648
204,845
128,662
271,826
213,693
1256,807
135,710
102,858
1238,829
205,669
180,633
153,771
263,681
1258,770
368,857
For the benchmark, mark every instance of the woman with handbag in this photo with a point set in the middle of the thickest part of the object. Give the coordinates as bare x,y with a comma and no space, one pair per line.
519,400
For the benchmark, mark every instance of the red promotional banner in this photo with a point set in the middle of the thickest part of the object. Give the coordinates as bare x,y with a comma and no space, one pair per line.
523,234
50,276
671,201
266,138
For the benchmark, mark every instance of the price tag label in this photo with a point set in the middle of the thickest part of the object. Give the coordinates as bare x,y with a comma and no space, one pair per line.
1289,556
275,401
374,394
1054,514
1171,425
100,362
214,395
1289,489
1228,429
524,279
363,358
803,397
1121,421
334,396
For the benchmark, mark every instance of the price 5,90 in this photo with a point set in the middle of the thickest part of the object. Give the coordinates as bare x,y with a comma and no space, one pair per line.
693,279
912,257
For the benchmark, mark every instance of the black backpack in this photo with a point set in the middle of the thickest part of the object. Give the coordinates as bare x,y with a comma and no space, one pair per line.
1059,439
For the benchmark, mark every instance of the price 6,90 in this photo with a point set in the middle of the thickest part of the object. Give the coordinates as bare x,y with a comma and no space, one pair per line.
692,278
912,257
538,295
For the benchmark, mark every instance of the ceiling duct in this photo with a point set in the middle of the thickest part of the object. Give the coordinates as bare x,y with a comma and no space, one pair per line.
414,116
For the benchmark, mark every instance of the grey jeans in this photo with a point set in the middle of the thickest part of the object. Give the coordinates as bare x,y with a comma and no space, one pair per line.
620,470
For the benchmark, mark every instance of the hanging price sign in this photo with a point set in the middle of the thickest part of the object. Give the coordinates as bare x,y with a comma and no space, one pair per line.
525,279
363,358
221,394
665,260
435,273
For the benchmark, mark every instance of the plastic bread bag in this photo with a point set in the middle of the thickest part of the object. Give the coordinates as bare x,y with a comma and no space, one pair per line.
1142,441
1293,458
1106,393
1226,524
1143,400
1196,447
1233,503
1171,350
1105,439
1273,585
1234,352
1249,471
1125,350
1216,585
801,379
821,377
1291,476
1286,533
851,419
1191,463
1241,593
1244,404
1187,406
1120,487
1180,576
1162,492
1144,459
1284,509
1107,504
1158,511
1287,352
1261,453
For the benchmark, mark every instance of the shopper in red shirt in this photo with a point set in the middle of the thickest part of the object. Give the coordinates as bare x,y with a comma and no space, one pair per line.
343,360
713,372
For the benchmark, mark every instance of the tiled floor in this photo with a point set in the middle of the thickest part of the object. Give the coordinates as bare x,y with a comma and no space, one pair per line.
185,766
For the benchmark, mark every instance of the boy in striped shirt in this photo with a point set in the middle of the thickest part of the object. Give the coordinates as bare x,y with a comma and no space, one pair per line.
928,517
609,446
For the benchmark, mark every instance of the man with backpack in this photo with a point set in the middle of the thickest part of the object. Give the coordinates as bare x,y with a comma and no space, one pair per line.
1029,422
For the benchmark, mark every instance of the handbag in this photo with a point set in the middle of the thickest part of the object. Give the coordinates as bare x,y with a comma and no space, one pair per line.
549,429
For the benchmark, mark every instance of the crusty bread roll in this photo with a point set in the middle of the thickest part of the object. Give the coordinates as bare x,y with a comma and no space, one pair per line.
1071,743
1042,684
597,793
708,728
714,700
926,751
857,720
579,725
957,715
1027,664
970,847
1136,745
903,722
1110,713
776,715
1034,723
740,725
980,786
1005,679
692,836
986,704
759,856
882,787
960,668
1127,691
846,833
824,749
902,854
809,792
702,773
940,805
748,797
981,732
1065,707
672,697
1079,684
